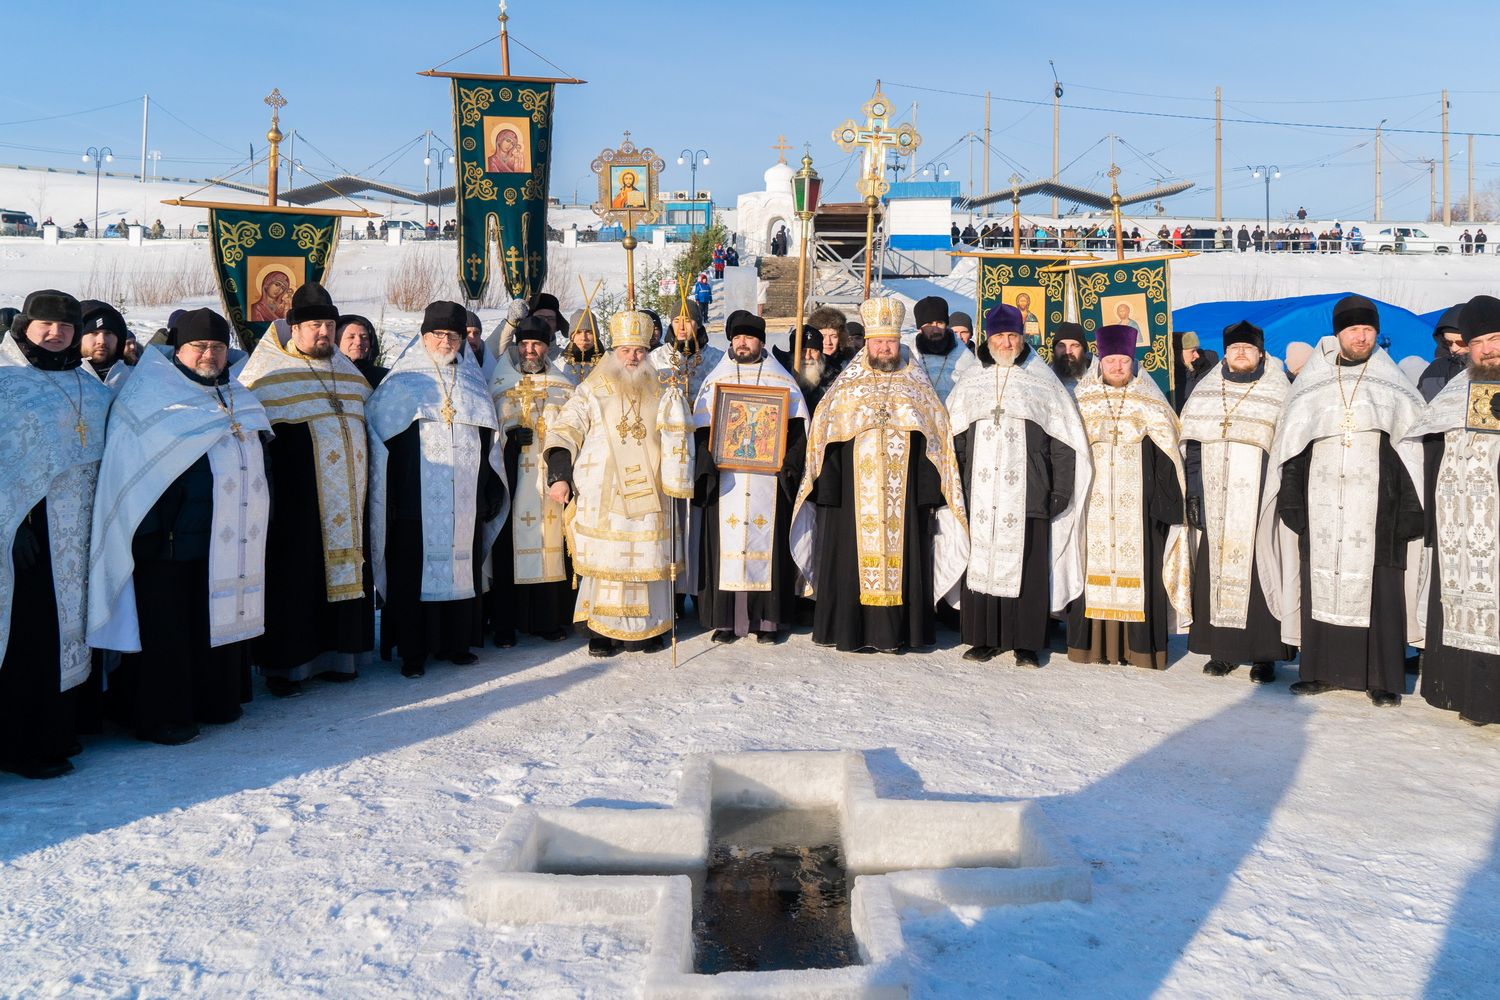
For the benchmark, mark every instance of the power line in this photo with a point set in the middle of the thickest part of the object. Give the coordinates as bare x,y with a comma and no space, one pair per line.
69,114
157,104
1188,117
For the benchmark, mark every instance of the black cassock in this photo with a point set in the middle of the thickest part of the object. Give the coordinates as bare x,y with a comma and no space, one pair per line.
412,627
1453,679
744,611
538,608
177,678
838,618
1020,622
1260,640
36,719
1359,659
1142,644
302,624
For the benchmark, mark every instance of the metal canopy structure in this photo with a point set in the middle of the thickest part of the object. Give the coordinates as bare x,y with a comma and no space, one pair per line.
1070,192
343,186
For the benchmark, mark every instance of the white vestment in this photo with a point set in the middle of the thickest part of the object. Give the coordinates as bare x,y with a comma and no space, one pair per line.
747,500
1234,424
43,458
1118,421
1465,559
1343,477
161,423
532,401
993,404
629,449
450,404
943,370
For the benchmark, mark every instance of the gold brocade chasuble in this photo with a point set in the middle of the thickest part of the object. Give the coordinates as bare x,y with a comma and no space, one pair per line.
879,412
532,401
629,447
328,395
1117,421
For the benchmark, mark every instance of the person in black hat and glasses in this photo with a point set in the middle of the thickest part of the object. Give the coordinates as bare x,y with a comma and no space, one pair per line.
49,458
178,576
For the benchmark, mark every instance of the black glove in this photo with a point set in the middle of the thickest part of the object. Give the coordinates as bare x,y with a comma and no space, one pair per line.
1495,405
1195,512
26,552
521,437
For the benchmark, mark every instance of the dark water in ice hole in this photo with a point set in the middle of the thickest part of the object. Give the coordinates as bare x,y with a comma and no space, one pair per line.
775,895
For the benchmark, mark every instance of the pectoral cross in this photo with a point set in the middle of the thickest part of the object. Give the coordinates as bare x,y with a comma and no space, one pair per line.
997,412
82,429
338,404
1347,427
447,412
236,430
1224,427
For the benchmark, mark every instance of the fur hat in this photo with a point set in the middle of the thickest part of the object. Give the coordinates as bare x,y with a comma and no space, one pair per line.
1116,339
1003,319
828,318
50,306
448,316
311,302
545,300
1355,310
1481,315
745,324
200,324
932,309
1245,332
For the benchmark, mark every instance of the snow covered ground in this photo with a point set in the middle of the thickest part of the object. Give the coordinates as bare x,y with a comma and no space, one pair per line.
1243,842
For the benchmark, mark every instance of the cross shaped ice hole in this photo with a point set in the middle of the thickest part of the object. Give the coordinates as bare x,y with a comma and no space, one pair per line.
636,868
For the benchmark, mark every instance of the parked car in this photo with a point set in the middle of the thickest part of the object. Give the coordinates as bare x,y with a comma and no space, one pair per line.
16,223
1404,239
409,228
200,231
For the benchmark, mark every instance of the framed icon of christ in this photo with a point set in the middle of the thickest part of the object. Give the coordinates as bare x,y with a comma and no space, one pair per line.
747,427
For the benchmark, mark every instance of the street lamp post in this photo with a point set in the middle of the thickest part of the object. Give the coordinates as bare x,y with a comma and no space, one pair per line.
445,155
155,163
100,158
692,157
938,169
1269,174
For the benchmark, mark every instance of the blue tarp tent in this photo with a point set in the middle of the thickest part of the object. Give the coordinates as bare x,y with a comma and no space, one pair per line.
1307,318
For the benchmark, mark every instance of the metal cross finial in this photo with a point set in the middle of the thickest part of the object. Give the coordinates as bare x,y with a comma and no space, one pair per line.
276,103
1015,180
627,135
781,146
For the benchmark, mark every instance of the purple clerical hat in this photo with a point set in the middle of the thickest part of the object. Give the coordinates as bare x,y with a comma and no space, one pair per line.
1116,339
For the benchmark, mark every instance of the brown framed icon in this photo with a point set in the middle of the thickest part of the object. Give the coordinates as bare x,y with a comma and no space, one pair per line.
1483,412
747,430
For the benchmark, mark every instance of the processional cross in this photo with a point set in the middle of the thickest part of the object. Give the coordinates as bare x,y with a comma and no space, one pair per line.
875,138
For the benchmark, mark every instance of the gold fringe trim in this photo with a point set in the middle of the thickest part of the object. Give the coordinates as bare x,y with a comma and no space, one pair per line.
1110,615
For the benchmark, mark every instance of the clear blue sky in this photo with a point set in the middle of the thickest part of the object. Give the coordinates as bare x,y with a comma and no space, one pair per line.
730,77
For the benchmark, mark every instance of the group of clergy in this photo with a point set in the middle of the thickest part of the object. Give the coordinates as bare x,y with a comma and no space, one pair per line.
210,511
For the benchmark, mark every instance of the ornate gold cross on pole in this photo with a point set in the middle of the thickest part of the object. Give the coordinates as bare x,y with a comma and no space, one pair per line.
875,138
1015,213
273,135
1114,207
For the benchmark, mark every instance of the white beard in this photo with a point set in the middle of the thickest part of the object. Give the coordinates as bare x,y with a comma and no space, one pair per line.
631,378
1005,360
441,357
532,367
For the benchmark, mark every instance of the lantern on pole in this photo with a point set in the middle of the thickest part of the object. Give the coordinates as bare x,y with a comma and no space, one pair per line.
807,186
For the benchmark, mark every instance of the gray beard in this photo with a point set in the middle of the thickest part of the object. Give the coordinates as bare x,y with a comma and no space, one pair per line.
885,365
1005,360
812,373
533,367
441,357
631,378
320,353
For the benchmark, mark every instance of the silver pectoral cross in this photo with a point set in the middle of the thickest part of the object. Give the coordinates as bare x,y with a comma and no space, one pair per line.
1347,427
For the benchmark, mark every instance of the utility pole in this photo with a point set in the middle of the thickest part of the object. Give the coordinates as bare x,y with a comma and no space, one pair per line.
1470,218
1377,167
1219,153
1447,201
986,172
971,164
1431,191
1057,92
145,123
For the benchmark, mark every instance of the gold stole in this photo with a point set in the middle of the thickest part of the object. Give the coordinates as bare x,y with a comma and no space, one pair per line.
880,467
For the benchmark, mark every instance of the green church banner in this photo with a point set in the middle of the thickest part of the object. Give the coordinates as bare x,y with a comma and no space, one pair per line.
1021,280
502,134
261,257
1134,293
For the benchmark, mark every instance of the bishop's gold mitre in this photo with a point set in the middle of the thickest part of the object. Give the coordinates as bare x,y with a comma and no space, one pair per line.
630,329
882,317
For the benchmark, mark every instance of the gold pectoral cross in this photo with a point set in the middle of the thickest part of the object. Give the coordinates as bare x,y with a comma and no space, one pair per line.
447,412
82,429
236,430
1224,427
1347,427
